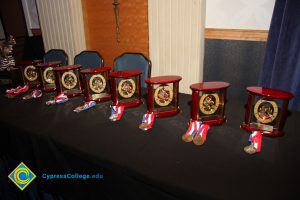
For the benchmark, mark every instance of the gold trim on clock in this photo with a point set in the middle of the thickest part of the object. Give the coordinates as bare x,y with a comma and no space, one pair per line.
126,88
209,103
69,80
97,83
30,73
265,111
163,95
48,75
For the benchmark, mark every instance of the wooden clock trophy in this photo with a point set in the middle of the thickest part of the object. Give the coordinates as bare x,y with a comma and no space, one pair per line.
163,99
208,109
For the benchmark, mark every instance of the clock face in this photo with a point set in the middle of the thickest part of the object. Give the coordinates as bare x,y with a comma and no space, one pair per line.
126,88
265,111
48,75
209,103
163,95
97,83
30,73
69,80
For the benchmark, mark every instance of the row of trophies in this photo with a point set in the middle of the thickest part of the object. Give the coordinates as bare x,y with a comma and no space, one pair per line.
265,111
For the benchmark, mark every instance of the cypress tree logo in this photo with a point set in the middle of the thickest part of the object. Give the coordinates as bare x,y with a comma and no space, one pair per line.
22,176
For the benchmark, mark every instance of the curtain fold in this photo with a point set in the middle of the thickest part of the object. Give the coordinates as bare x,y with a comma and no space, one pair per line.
281,67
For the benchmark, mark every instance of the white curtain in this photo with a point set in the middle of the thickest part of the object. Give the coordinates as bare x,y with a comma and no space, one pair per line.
62,25
176,39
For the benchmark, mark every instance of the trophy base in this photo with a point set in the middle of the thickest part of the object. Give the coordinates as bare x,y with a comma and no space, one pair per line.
261,127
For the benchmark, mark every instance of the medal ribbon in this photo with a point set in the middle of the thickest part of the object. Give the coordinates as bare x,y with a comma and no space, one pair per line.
18,90
255,139
85,106
34,94
203,131
194,127
116,112
149,120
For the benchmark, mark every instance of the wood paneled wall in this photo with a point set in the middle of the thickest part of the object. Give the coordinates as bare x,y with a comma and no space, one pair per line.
100,27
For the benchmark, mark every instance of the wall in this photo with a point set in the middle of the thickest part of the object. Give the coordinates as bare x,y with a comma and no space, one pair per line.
232,55
239,14
31,15
62,25
100,27
176,37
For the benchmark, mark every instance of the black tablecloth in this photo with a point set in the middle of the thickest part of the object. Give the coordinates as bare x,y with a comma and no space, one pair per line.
155,164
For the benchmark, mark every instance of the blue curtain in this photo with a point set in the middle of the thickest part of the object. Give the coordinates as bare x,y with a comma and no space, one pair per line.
281,68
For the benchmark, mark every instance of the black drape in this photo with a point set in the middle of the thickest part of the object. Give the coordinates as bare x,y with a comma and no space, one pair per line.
281,68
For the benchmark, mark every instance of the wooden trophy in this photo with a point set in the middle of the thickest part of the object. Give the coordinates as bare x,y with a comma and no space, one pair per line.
266,110
47,76
96,84
30,73
67,80
126,88
208,102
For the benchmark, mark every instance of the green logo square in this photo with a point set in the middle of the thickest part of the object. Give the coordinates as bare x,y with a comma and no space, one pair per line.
22,176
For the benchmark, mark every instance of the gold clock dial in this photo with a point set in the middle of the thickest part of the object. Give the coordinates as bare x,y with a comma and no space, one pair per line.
97,83
30,73
163,95
126,88
48,75
69,80
265,111
209,103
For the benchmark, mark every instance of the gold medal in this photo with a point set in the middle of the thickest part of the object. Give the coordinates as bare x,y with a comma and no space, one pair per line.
48,75
187,138
209,103
163,95
30,73
126,88
265,111
97,83
250,149
198,140
143,126
69,80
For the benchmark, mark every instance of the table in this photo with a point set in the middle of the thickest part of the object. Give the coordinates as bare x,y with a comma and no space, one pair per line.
155,164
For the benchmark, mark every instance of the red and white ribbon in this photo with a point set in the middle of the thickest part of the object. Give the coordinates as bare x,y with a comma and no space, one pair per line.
61,98
85,106
194,127
203,131
12,90
149,120
17,90
116,113
255,139
34,94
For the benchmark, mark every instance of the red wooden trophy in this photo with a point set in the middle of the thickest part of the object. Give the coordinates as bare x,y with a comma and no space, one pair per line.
29,73
163,99
208,102
47,76
126,91
96,84
266,111
67,80
126,88
208,108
